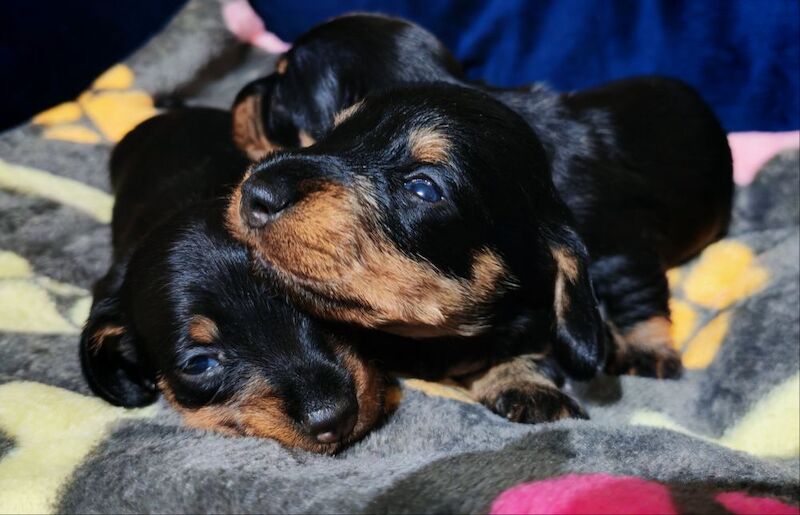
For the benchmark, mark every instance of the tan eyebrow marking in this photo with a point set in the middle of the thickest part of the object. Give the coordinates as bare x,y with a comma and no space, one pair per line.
429,145
203,330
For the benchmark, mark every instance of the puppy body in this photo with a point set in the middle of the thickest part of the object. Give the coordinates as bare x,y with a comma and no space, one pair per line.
181,312
641,165
645,168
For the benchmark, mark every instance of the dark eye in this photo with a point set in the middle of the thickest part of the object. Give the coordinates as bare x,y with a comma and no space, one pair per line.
199,364
424,188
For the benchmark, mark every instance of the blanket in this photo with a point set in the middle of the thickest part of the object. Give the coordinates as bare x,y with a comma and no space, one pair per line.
725,438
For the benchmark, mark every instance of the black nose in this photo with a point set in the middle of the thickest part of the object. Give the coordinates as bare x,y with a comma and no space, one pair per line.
264,197
332,424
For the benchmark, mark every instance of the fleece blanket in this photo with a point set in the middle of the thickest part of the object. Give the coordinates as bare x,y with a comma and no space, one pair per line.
724,438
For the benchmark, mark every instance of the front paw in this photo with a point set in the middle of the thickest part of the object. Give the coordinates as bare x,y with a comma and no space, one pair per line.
662,362
533,404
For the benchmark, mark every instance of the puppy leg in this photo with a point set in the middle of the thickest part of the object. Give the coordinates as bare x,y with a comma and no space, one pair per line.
635,295
522,390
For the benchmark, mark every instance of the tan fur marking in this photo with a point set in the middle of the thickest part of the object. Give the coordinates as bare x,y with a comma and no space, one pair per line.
305,139
335,260
520,375
648,340
203,330
428,145
256,411
567,264
248,130
652,334
346,113
280,66
566,271
518,372
99,336
370,385
252,412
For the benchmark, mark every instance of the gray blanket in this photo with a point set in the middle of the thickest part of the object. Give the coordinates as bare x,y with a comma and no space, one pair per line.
725,438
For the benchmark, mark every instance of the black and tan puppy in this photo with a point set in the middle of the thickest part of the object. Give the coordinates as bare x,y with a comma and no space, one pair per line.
642,164
436,211
180,311
329,68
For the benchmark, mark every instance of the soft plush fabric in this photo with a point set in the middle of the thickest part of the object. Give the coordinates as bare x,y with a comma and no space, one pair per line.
725,435
743,55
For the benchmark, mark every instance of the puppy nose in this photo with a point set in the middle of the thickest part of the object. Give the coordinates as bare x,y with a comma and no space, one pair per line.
264,198
332,424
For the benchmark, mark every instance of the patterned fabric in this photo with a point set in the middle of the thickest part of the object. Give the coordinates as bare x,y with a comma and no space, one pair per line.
725,436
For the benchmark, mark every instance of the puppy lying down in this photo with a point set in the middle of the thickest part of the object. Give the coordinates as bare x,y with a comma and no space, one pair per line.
181,312
527,225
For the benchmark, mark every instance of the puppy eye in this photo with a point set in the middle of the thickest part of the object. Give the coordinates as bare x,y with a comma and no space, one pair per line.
199,364
424,188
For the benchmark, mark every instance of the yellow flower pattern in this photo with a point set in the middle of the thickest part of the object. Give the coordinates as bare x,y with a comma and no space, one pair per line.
727,272
106,112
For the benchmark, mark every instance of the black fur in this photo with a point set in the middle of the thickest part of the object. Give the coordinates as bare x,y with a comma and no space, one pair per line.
339,62
174,260
642,165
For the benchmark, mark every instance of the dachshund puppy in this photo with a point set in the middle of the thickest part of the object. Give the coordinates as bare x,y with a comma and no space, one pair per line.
436,211
181,312
329,68
642,164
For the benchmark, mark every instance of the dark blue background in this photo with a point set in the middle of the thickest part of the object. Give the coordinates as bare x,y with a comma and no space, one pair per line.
51,50
743,55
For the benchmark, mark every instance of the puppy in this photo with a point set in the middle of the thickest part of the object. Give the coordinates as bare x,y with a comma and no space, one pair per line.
329,68
181,313
435,211
642,164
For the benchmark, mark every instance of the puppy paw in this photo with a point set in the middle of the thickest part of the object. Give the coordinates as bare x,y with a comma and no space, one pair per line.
661,363
533,404
646,350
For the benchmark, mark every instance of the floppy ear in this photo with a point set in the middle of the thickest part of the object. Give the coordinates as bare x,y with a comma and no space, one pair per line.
249,134
579,328
110,358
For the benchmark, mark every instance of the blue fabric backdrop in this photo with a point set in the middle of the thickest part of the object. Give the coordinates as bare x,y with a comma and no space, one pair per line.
741,54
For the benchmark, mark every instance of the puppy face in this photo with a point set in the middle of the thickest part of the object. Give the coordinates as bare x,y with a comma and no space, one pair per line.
328,69
427,211
188,318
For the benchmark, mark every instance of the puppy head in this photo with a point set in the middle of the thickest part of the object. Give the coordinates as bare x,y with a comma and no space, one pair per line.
427,211
187,317
328,69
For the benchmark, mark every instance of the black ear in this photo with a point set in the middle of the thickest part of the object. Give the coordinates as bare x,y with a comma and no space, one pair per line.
579,329
110,358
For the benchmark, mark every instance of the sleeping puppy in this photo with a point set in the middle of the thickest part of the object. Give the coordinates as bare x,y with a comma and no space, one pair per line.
180,311
642,164
329,68
435,211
